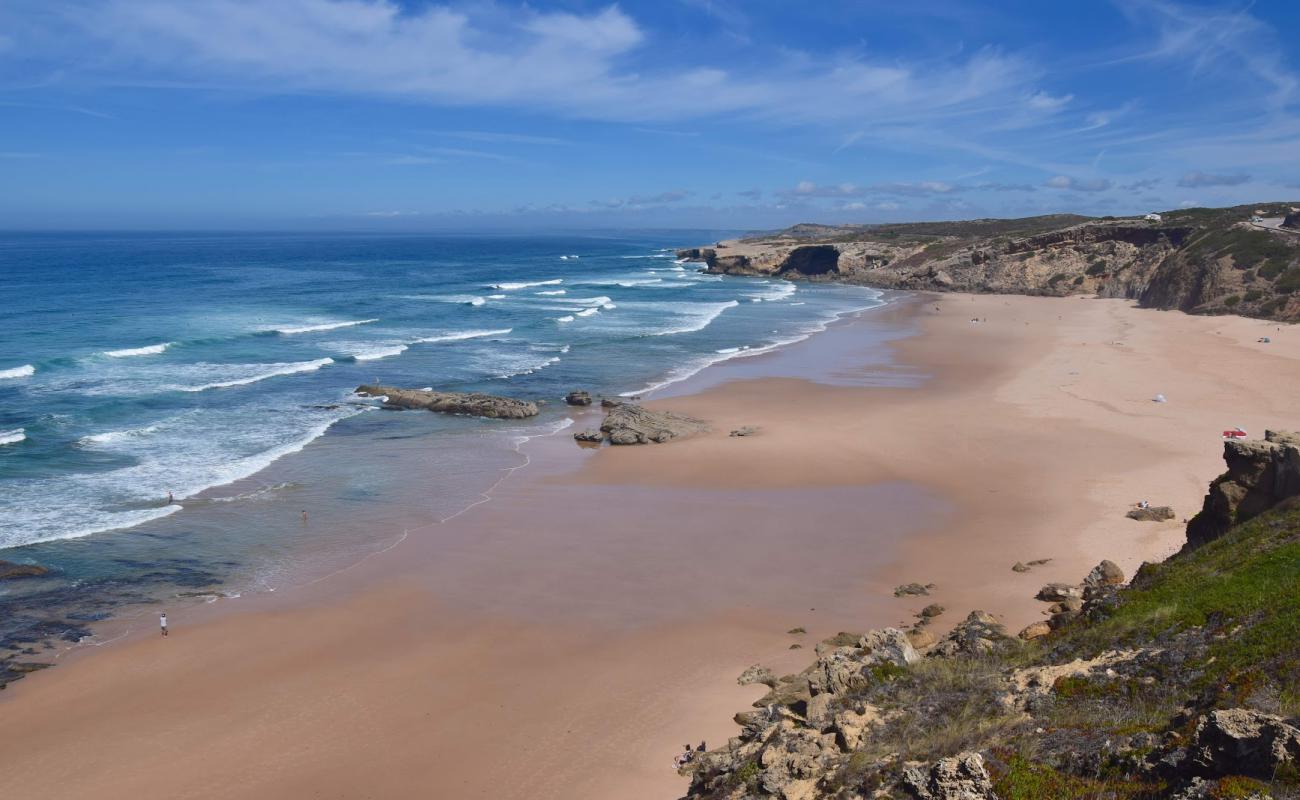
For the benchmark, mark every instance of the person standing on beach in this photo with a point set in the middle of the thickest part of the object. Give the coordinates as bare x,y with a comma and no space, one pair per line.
304,516
162,623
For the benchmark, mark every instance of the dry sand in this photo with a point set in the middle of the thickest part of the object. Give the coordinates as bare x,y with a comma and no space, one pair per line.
565,639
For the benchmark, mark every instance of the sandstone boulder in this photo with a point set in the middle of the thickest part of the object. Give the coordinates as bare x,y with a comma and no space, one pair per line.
589,436
468,403
1035,630
1107,573
1151,514
632,424
757,674
977,635
912,589
961,777
1055,592
1239,741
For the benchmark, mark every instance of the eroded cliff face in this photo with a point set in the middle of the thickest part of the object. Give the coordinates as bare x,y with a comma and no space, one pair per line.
1223,265
1260,475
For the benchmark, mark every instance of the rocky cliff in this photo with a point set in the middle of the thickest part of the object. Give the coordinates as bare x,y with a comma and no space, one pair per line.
1180,684
1261,474
1196,260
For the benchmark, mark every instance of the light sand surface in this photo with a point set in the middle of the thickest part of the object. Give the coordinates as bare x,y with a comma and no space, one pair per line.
565,639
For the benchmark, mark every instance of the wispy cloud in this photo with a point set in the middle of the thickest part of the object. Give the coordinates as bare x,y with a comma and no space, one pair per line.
1194,180
1077,184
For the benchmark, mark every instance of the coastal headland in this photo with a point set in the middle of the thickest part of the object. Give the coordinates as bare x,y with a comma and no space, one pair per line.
567,637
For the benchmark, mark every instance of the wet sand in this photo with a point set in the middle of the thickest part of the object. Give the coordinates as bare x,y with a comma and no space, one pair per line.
565,639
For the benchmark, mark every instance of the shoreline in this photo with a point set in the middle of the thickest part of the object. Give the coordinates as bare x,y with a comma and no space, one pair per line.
619,593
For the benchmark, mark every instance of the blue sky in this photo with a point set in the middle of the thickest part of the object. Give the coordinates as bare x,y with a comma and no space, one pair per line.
380,114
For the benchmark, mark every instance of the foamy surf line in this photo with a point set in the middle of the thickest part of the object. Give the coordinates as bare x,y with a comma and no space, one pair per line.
745,351
525,284
13,436
322,326
148,350
275,371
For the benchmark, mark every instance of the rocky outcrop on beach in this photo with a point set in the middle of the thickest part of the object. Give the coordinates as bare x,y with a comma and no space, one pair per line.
1261,474
1175,684
1196,260
578,398
629,423
467,403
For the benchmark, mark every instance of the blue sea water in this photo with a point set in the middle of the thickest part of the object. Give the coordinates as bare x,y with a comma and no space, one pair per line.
134,365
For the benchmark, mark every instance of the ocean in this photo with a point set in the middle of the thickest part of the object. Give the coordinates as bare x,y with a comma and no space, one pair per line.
220,369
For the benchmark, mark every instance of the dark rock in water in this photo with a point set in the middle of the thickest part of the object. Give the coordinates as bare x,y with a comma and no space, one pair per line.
1151,514
578,398
633,424
611,402
912,589
961,777
9,570
589,436
744,430
472,403
1260,475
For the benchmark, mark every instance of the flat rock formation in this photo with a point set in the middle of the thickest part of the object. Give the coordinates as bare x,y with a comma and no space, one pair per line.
470,404
629,423
1151,514
9,570
1198,260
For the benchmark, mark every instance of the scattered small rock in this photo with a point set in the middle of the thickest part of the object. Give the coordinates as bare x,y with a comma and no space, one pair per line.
1151,514
1055,592
796,647
1019,567
913,589
931,611
1038,562
757,674
589,436
744,430
796,631
1034,630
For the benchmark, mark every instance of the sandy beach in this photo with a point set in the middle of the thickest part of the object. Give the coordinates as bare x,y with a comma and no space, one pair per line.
565,639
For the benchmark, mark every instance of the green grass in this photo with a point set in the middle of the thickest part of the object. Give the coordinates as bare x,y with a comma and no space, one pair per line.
1022,779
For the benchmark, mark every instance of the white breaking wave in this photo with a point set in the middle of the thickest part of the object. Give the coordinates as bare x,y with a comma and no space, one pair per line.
185,456
587,312
117,436
13,436
645,282
496,297
323,326
528,368
366,351
477,301
275,370
553,292
461,335
778,291
567,318
26,370
525,284
697,316
589,301
148,350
